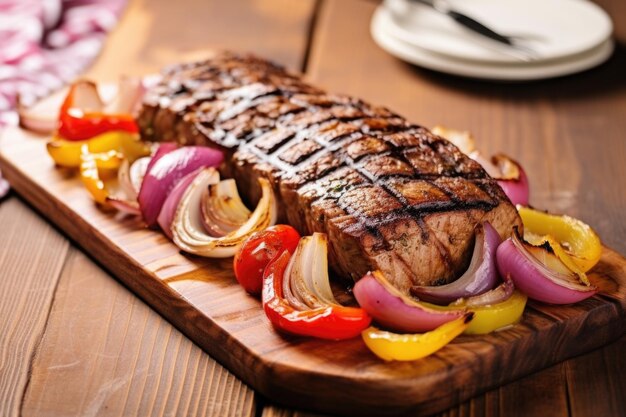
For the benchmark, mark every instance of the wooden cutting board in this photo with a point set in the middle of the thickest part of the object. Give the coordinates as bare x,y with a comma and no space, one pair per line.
202,299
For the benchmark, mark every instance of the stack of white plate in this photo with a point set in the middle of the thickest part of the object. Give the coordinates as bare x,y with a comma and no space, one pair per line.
567,36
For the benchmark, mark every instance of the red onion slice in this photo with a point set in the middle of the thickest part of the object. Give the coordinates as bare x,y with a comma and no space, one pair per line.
498,295
517,191
481,275
514,181
510,176
124,205
165,173
168,211
537,280
395,310
162,150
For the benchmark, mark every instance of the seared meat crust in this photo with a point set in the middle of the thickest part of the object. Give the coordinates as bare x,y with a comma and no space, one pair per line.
391,195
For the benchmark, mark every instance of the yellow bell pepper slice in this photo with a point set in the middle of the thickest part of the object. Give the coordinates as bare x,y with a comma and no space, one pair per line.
563,256
409,347
493,317
90,171
574,237
68,153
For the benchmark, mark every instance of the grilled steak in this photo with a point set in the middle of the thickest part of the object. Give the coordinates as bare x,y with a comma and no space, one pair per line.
391,195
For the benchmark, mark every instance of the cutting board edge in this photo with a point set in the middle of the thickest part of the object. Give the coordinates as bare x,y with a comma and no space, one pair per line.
265,381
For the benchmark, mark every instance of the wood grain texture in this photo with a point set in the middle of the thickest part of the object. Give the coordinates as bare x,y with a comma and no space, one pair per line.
31,256
151,34
556,391
111,355
596,383
201,298
576,387
154,33
568,134
526,124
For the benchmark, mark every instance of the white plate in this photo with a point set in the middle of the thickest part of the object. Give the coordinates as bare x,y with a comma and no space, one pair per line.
518,71
559,28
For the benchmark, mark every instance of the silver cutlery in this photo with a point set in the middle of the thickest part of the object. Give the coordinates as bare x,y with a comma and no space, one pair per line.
507,44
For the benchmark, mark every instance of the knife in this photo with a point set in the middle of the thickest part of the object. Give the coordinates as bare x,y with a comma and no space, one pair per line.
475,26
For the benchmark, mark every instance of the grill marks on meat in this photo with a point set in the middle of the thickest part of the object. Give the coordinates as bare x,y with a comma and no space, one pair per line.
391,195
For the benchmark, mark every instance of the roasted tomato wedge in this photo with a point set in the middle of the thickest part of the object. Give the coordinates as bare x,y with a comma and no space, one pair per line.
258,250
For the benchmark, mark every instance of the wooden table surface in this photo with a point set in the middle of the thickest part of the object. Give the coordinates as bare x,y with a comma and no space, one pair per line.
73,341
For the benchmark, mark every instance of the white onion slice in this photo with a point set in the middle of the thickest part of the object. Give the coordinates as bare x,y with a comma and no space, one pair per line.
307,284
130,176
188,231
222,209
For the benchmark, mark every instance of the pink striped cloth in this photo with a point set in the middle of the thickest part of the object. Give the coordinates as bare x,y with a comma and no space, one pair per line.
44,44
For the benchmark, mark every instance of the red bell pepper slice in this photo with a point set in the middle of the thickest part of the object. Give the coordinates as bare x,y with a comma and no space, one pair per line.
333,322
76,123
